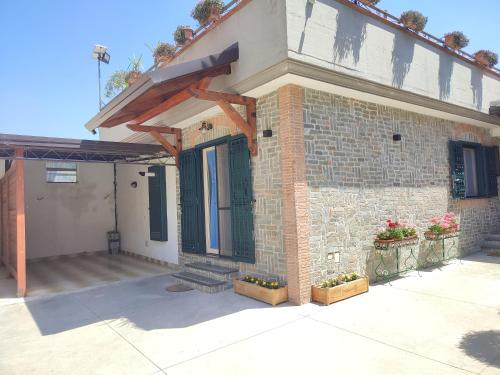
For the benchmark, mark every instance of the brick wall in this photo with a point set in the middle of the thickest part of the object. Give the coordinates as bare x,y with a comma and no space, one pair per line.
358,177
266,177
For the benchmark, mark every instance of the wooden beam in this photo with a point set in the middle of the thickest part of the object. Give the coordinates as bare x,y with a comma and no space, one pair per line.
240,122
214,96
148,129
204,83
20,224
171,149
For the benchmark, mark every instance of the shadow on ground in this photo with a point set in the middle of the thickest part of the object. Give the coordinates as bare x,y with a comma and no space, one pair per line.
483,346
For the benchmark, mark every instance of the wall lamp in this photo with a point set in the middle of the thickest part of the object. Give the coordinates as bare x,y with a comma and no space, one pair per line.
205,126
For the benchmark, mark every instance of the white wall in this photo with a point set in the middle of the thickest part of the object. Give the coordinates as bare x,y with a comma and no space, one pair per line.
133,214
336,37
68,218
2,168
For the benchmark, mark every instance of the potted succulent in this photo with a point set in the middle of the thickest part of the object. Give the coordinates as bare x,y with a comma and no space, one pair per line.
183,35
413,20
456,40
339,288
163,53
207,11
134,71
266,290
442,227
486,58
396,234
116,83
369,2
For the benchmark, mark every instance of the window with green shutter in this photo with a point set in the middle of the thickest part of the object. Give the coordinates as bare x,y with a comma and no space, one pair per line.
473,170
158,228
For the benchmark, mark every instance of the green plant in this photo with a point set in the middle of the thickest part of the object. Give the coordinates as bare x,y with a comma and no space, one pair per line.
396,231
487,58
449,222
456,40
341,279
202,10
179,36
135,64
163,49
369,2
116,83
413,20
270,284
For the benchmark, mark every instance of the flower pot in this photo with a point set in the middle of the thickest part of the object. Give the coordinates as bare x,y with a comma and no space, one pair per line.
327,296
449,40
161,61
440,235
271,296
390,244
188,34
482,58
214,14
368,2
133,77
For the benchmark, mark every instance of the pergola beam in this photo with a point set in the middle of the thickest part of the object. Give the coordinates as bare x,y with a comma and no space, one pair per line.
246,127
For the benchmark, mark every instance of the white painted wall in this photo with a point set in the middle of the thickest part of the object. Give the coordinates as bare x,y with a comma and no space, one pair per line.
336,37
68,218
133,214
2,168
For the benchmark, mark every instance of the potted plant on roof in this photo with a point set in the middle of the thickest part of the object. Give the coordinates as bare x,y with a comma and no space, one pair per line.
206,11
413,20
396,234
339,288
486,58
134,71
267,290
116,83
456,40
442,227
163,53
369,2
183,35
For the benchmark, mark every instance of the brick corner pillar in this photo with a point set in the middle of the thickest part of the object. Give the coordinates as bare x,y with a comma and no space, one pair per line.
296,225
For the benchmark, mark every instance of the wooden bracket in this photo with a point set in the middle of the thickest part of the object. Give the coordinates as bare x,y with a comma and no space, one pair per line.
224,101
157,131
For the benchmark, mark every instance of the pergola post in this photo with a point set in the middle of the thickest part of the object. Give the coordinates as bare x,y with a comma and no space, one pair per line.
20,224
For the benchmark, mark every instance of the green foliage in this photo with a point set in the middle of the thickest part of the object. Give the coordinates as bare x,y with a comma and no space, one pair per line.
396,231
201,11
459,39
270,284
414,20
135,64
179,36
341,279
116,83
164,49
492,57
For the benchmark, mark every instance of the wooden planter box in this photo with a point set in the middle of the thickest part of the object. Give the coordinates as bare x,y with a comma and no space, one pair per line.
327,296
271,296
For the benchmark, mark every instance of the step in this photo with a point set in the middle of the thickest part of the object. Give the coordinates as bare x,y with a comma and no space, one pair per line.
491,244
212,268
202,283
493,237
491,251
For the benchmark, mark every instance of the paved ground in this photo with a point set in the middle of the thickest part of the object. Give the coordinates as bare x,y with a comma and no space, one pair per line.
443,322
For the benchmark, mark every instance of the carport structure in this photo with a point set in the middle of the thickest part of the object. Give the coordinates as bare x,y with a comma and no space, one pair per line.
17,149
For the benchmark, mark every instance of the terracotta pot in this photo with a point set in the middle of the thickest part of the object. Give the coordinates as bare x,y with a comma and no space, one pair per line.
367,2
482,58
133,77
162,60
214,15
188,34
389,244
410,25
449,40
434,235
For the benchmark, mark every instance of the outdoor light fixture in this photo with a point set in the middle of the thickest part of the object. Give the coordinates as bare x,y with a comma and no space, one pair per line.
100,53
268,133
147,174
205,126
396,137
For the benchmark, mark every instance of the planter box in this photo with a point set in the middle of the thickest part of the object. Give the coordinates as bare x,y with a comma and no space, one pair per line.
327,296
390,244
271,296
440,236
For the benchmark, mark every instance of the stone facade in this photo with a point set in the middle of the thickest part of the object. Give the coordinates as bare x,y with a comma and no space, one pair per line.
359,177
267,189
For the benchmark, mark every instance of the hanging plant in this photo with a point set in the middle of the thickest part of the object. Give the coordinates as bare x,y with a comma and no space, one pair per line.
369,2
456,40
116,83
183,35
163,53
207,10
413,20
486,58
134,71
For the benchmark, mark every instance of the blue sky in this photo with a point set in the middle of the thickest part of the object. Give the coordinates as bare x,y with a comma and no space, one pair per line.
48,79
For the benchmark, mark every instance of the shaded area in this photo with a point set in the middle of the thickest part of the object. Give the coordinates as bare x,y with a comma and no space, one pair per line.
350,35
476,82
309,8
445,73
483,346
402,57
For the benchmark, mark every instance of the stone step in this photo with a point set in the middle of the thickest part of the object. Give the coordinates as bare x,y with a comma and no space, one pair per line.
202,283
491,244
493,237
491,251
212,271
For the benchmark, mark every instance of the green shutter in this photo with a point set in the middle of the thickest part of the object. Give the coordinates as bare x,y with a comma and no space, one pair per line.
241,200
158,228
192,219
457,169
491,156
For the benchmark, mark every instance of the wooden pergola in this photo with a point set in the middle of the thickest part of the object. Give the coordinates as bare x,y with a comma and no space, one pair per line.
161,90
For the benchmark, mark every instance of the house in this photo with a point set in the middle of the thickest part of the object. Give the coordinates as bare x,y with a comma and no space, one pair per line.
298,128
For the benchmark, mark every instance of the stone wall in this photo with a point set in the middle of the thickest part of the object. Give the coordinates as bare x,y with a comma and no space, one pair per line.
359,177
267,189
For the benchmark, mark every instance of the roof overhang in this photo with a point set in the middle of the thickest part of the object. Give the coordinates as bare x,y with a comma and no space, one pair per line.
495,110
62,149
157,86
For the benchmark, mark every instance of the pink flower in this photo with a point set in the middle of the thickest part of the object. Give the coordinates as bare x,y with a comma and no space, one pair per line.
435,220
445,225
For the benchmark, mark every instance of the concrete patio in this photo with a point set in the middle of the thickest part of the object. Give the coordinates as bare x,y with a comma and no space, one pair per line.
445,321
